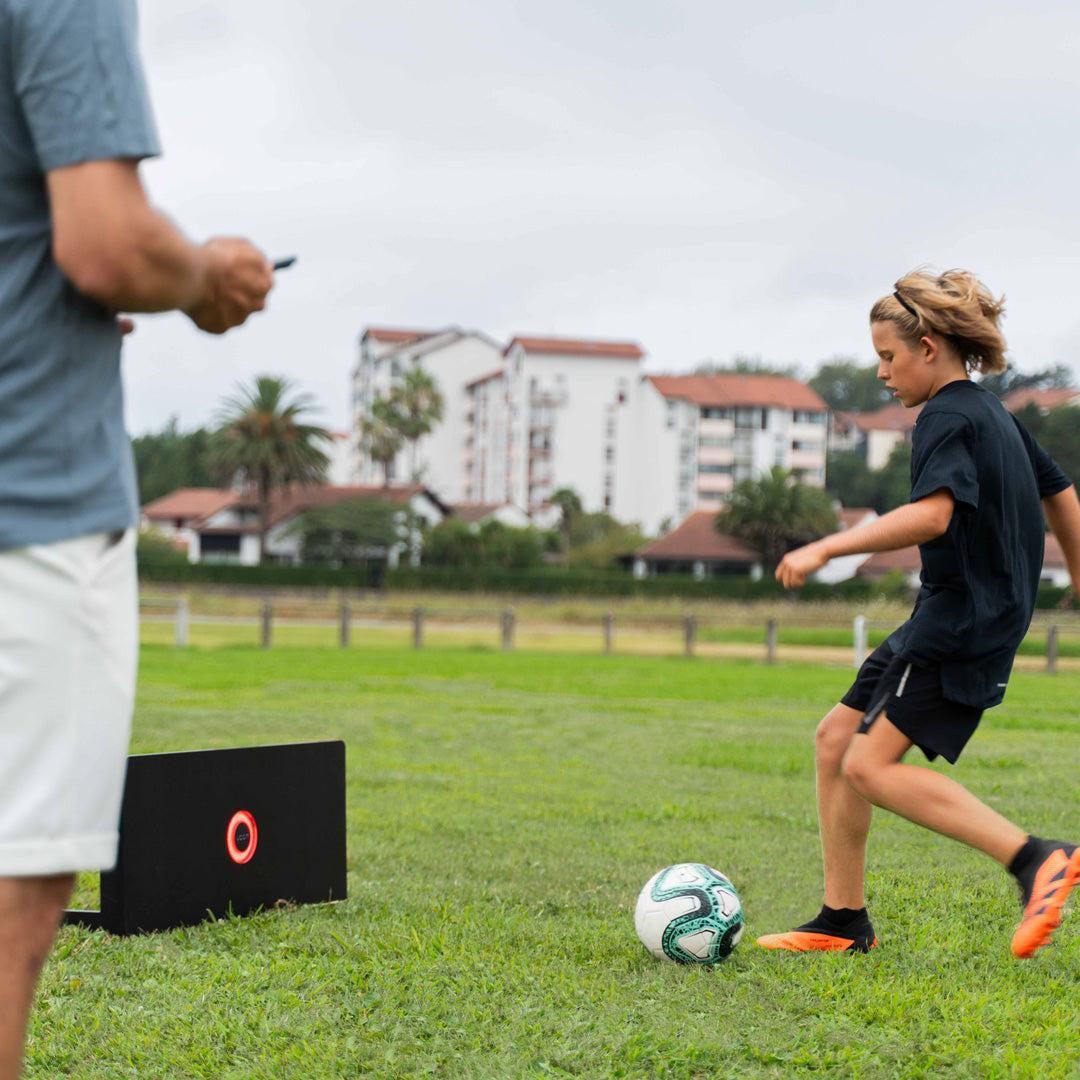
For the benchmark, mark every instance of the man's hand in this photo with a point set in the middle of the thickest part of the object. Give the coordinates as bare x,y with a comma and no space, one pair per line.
117,249
234,280
796,566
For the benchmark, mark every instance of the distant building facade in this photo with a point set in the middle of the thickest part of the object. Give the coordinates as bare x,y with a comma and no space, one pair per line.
453,357
550,417
545,413
692,438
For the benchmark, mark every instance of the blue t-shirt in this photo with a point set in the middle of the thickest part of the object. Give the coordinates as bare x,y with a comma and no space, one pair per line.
980,578
71,90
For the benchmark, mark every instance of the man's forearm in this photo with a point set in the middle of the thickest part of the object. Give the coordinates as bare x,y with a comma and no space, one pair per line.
161,270
914,523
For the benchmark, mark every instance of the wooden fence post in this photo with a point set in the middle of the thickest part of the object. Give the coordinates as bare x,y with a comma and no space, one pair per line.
1051,650
418,628
508,630
689,632
183,622
267,623
346,623
770,641
860,640
609,632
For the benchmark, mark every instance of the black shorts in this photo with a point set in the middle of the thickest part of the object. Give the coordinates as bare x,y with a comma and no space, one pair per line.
911,697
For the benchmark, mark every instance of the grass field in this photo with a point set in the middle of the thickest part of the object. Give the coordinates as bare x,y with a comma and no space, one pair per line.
503,812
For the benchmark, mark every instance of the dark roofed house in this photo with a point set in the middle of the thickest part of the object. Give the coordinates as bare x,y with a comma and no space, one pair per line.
223,525
695,547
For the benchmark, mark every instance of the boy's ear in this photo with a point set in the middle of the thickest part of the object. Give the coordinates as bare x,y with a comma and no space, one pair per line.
930,349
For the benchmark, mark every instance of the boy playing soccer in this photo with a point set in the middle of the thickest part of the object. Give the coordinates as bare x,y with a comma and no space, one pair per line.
977,479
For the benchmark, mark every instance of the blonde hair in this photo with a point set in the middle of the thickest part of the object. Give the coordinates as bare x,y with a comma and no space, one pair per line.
956,305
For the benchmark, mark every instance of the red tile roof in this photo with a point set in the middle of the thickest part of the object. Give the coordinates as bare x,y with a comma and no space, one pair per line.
1054,556
498,373
389,335
894,417
851,516
296,498
189,503
883,562
695,538
624,350
1050,398
471,513
201,504
908,559
726,390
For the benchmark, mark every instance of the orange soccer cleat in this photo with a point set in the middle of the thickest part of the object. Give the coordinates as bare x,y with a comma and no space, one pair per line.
1044,894
826,933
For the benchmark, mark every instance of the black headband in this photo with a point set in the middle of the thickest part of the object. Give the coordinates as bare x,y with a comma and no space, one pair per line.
906,305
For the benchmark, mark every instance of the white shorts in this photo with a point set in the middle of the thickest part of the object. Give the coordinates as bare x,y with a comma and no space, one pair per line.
68,655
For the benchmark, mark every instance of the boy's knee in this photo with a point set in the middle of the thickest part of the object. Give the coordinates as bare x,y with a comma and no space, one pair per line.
859,771
831,740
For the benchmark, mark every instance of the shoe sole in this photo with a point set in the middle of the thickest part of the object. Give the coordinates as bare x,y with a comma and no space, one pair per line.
1035,931
805,941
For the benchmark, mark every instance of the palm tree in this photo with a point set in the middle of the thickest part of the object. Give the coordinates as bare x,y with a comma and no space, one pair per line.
417,406
380,438
776,513
261,443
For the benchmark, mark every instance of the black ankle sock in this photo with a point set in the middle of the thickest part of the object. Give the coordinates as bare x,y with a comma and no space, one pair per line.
839,919
1025,857
841,916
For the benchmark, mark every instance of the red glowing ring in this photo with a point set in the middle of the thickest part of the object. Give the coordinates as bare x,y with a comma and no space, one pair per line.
241,817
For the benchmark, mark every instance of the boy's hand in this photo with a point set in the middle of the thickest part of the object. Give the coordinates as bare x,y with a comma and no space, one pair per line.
796,566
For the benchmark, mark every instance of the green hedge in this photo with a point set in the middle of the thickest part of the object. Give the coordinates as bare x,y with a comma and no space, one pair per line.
326,577
544,582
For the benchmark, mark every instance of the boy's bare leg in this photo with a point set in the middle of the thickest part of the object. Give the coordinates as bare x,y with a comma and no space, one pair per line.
30,912
843,814
873,767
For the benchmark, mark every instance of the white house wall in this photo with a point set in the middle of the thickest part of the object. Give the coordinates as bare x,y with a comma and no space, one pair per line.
655,484
585,394
453,359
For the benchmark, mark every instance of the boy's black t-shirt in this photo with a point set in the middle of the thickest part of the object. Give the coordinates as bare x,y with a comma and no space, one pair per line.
980,578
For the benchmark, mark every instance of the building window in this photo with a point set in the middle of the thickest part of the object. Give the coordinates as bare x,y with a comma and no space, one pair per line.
809,418
726,470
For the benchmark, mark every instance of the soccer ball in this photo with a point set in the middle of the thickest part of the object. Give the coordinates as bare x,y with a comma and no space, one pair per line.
689,913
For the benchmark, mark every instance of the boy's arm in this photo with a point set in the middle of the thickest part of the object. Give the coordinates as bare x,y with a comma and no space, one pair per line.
1063,515
914,523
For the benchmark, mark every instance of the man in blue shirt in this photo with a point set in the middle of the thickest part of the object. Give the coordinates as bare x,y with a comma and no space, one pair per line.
79,243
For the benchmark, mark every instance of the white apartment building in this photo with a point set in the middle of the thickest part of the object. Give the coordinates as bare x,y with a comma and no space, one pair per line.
550,416
453,357
691,438
546,413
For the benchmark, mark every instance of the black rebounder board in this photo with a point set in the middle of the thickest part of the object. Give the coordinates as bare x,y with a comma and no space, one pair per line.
211,832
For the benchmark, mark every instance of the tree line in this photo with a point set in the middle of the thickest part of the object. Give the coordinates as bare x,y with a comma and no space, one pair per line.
263,441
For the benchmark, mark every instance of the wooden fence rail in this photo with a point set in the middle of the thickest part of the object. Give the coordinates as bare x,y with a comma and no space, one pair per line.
506,625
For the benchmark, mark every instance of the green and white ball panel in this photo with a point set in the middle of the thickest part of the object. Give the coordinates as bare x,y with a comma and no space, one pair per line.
689,913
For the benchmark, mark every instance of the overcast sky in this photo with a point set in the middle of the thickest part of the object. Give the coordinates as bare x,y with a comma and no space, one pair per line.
704,177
